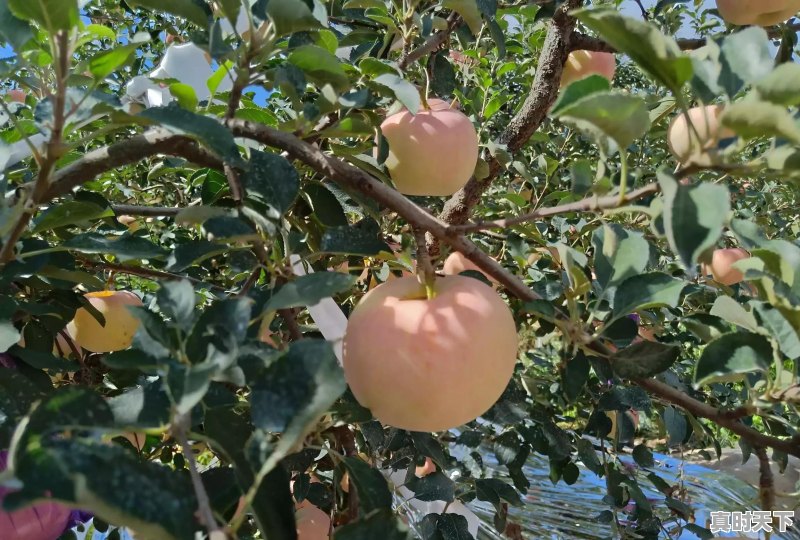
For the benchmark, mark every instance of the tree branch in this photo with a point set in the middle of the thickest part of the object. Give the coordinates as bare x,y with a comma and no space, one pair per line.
143,272
584,205
432,43
136,210
152,142
698,408
581,41
544,91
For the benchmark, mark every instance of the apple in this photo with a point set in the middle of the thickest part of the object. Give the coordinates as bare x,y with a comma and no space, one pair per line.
129,221
432,153
581,64
721,267
41,521
17,95
433,364
684,143
312,523
757,12
120,323
456,263
429,467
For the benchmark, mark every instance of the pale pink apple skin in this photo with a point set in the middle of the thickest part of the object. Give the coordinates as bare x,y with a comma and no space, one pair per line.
721,267
429,365
757,12
429,467
456,263
432,153
120,323
312,523
41,521
17,95
684,144
581,64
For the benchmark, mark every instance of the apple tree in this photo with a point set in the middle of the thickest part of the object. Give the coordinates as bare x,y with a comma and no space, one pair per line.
558,227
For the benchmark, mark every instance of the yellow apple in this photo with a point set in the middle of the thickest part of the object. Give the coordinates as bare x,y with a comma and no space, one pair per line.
757,12
425,364
432,153
120,323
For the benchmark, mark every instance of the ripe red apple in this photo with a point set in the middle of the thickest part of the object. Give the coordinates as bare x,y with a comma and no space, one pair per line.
757,12
581,64
120,327
721,267
684,143
431,153
429,364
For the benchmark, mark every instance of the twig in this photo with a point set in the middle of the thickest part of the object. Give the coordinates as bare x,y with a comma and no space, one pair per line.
144,272
180,428
432,43
289,316
698,408
426,272
584,205
136,210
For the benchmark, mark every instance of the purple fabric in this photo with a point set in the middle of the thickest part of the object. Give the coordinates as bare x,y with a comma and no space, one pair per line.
7,361
634,317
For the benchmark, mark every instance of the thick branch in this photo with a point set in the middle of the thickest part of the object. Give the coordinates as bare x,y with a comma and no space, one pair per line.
584,205
582,41
533,112
698,408
154,141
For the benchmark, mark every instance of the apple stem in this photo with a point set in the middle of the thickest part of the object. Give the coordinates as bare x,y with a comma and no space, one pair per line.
425,271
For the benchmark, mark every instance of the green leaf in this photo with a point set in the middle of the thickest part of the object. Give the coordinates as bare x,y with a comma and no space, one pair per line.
230,8
619,254
17,395
731,356
274,179
468,9
193,252
780,328
371,486
12,29
359,239
110,482
124,248
782,85
574,376
320,66
443,76
676,425
52,15
105,63
194,11
384,525
405,92
293,392
646,291
579,90
656,53
69,213
618,116
308,290
290,16
142,407
433,487
728,309
747,54
449,526
495,491
752,119
644,359
176,300
208,131
693,216
588,456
